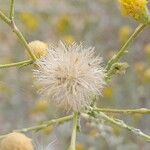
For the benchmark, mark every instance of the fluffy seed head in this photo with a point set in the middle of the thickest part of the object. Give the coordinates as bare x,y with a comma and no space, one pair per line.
16,141
70,75
38,48
136,9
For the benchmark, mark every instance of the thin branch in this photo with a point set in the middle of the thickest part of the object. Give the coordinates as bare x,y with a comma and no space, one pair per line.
4,18
22,40
15,29
11,13
42,126
17,64
74,132
118,123
122,50
124,111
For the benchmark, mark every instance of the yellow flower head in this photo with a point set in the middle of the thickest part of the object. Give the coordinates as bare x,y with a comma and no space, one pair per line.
136,9
38,48
16,141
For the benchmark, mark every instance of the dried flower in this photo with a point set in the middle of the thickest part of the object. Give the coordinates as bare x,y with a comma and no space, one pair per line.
70,75
38,48
136,9
16,141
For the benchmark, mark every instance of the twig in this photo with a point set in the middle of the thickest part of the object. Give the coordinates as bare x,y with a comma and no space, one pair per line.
42,126
4,18
17,64
118,123
124,111
11,13
122,50
22,39
13,26
74,131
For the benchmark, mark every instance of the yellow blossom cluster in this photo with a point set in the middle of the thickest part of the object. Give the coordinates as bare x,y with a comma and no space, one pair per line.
136,9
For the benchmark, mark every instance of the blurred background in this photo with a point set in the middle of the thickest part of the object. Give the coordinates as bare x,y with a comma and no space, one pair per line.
96,23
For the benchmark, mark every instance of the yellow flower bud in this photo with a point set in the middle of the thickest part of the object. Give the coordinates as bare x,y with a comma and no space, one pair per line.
16,141
136,9
38,48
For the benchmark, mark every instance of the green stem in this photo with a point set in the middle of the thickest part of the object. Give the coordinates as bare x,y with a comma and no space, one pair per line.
74,132
23,40
4,18
26,62
124,111
11,14
121,124
122,50
11,23
117,122
42,126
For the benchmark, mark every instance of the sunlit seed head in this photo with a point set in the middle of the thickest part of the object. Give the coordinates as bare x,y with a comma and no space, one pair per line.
70,75
136,9
16,141
38,48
